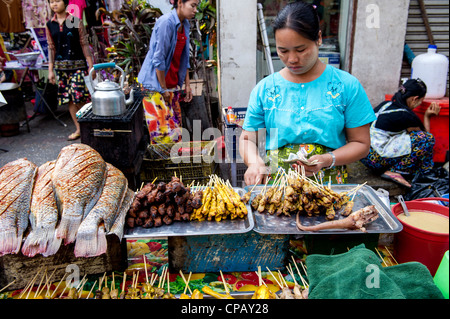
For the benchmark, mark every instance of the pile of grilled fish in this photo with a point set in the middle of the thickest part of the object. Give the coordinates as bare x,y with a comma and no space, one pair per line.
77,198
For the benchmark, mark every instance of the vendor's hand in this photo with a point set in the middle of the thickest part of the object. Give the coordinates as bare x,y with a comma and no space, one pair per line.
433,109
166,96
256,174
324,160
51,77
189,95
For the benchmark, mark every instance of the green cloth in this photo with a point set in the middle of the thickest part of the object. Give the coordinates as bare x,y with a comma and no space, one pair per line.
358,274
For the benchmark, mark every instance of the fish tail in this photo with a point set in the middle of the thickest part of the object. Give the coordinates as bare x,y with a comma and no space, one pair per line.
101,240
10,242
87,242
68,228
53,245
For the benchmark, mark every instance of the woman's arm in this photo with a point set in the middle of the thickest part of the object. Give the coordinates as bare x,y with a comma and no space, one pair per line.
187,82
432,110
51,56
161,76
357,147
248,149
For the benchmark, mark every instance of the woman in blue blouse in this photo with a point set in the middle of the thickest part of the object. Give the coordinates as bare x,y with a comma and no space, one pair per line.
164,71
307,105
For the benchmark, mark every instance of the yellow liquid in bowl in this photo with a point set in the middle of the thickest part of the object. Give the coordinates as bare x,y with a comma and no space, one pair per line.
427,221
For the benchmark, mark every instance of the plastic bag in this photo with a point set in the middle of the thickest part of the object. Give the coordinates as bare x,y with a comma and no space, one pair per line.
431,184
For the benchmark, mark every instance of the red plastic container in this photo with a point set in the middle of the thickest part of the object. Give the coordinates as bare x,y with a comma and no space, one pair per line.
414,244
438,125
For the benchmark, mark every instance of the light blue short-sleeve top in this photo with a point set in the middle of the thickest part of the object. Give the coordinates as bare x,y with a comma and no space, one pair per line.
306,113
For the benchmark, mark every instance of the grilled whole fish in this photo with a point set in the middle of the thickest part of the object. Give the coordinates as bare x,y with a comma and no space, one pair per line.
78,179
44,215
16,185
117,227
91,236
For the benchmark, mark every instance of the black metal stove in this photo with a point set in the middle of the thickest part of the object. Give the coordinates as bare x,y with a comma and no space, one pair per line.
119,139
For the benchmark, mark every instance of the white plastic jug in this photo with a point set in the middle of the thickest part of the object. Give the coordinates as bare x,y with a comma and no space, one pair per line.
432,68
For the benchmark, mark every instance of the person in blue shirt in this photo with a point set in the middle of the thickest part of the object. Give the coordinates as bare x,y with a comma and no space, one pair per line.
165,70
307,105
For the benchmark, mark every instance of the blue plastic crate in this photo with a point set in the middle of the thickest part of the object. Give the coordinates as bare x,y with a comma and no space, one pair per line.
232,135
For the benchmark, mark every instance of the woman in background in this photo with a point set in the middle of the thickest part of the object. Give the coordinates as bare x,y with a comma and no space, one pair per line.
400,143
164,71
68,52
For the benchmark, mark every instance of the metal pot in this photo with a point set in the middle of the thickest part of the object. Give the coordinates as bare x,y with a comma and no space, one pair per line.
108,98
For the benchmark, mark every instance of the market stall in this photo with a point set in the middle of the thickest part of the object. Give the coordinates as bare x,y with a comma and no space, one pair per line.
188,240
114,217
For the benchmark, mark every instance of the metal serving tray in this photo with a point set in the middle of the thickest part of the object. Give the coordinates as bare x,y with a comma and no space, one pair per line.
197,228
272,224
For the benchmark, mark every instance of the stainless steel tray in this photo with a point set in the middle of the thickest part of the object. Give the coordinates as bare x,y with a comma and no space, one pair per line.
197,228
272,224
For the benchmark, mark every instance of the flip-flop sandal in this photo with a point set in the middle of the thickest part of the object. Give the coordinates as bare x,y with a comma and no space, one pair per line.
398,179
73,136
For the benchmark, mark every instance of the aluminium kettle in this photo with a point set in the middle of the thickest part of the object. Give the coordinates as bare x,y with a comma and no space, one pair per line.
108,98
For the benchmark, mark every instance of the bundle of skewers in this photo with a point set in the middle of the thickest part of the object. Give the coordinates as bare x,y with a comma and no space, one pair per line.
219,201
157,204
293,192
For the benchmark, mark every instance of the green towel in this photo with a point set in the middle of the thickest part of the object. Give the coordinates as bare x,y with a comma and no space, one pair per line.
358,274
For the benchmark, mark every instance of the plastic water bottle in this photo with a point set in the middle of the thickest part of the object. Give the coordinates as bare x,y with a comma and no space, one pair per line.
231,116
432,68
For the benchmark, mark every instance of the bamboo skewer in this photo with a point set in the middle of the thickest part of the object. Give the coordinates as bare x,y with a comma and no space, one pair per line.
298,271
47,281
65,274
40,283
186,282
382,259
391,255
275,278
224,283
123,281
8,285
92,288
29,284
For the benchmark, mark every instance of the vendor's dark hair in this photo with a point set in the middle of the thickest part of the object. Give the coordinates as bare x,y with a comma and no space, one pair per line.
412,87
301,17
175,3
66,2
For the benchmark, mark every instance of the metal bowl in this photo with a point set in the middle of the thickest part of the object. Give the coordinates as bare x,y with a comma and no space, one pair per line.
27,59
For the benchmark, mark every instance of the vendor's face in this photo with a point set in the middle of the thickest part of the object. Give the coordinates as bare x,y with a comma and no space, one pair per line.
57,6
298,53
188,9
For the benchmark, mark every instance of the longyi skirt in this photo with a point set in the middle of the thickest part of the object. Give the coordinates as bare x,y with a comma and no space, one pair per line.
71,87
163,119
